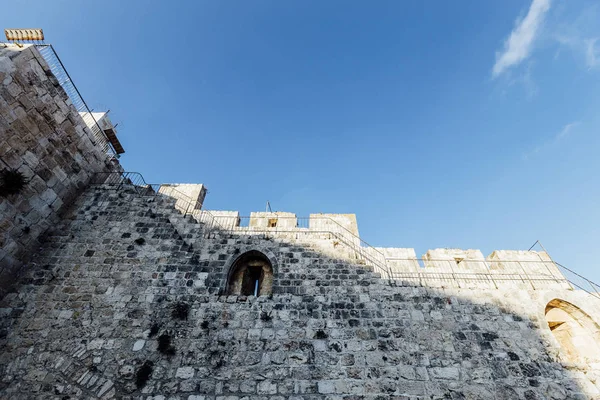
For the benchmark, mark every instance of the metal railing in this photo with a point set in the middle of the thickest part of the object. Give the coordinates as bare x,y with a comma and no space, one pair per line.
493,271
135,181
536,273
580,282
64,79
315,227
575,279
360,251
522,271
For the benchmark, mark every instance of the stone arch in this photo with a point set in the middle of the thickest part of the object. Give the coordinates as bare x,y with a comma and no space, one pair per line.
250,274
574,330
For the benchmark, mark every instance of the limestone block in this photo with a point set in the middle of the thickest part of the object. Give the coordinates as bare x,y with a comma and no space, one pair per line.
276,221
185,372
218,218
138,345
48,196
189,196
14,89
37,69
529,263
7,66
266,387
343,224
455,260
400,260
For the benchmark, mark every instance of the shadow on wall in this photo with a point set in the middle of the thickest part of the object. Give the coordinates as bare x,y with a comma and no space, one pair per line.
103,314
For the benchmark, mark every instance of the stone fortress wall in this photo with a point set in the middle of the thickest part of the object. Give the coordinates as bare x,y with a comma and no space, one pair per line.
137,293
44,137
101,304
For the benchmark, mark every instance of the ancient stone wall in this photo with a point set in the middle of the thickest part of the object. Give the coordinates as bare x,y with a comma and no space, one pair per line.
127,301
43,137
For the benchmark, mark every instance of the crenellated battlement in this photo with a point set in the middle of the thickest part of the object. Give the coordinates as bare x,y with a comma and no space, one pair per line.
338,235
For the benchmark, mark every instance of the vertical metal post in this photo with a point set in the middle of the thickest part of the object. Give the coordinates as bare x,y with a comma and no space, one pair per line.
525,272
490,273
548,254
453,275
592,286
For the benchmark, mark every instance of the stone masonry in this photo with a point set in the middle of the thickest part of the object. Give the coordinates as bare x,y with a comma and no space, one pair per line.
123,292
43,136
91,311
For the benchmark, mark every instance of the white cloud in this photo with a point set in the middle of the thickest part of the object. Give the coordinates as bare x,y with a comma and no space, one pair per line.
580,35
565,132
518,45
591,56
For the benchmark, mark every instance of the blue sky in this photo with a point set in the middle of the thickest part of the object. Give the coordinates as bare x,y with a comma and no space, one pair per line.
468,124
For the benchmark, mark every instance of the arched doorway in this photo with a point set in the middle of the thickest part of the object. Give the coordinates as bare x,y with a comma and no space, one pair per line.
251,275
576,332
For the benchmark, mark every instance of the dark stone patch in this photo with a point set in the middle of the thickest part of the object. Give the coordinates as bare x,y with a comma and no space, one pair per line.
164,345
180,311
143,374
320,334
530,370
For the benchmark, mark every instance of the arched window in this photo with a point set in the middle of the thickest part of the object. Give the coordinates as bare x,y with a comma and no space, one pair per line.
251,275
576,332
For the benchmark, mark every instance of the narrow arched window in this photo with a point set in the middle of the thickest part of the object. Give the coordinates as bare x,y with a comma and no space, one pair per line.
574,330
251,275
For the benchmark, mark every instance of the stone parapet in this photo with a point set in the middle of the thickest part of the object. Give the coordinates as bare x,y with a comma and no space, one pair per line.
278,220
189,196
337,235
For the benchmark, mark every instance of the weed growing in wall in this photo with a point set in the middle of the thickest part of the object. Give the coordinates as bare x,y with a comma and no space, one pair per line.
320,334
143,374
265,316
11,182
154,330
165,346
180,310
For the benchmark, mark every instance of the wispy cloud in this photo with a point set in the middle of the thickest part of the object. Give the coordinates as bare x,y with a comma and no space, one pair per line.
591,54
580,35
579,45
522,79
517,46
564,133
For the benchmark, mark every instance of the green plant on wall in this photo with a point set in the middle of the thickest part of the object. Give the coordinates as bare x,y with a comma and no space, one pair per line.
12,182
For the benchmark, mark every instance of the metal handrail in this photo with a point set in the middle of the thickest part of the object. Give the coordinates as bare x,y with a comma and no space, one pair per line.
64,79
343,235
347,238
137,181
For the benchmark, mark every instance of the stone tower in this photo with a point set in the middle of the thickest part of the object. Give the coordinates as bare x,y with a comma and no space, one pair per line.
123,289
